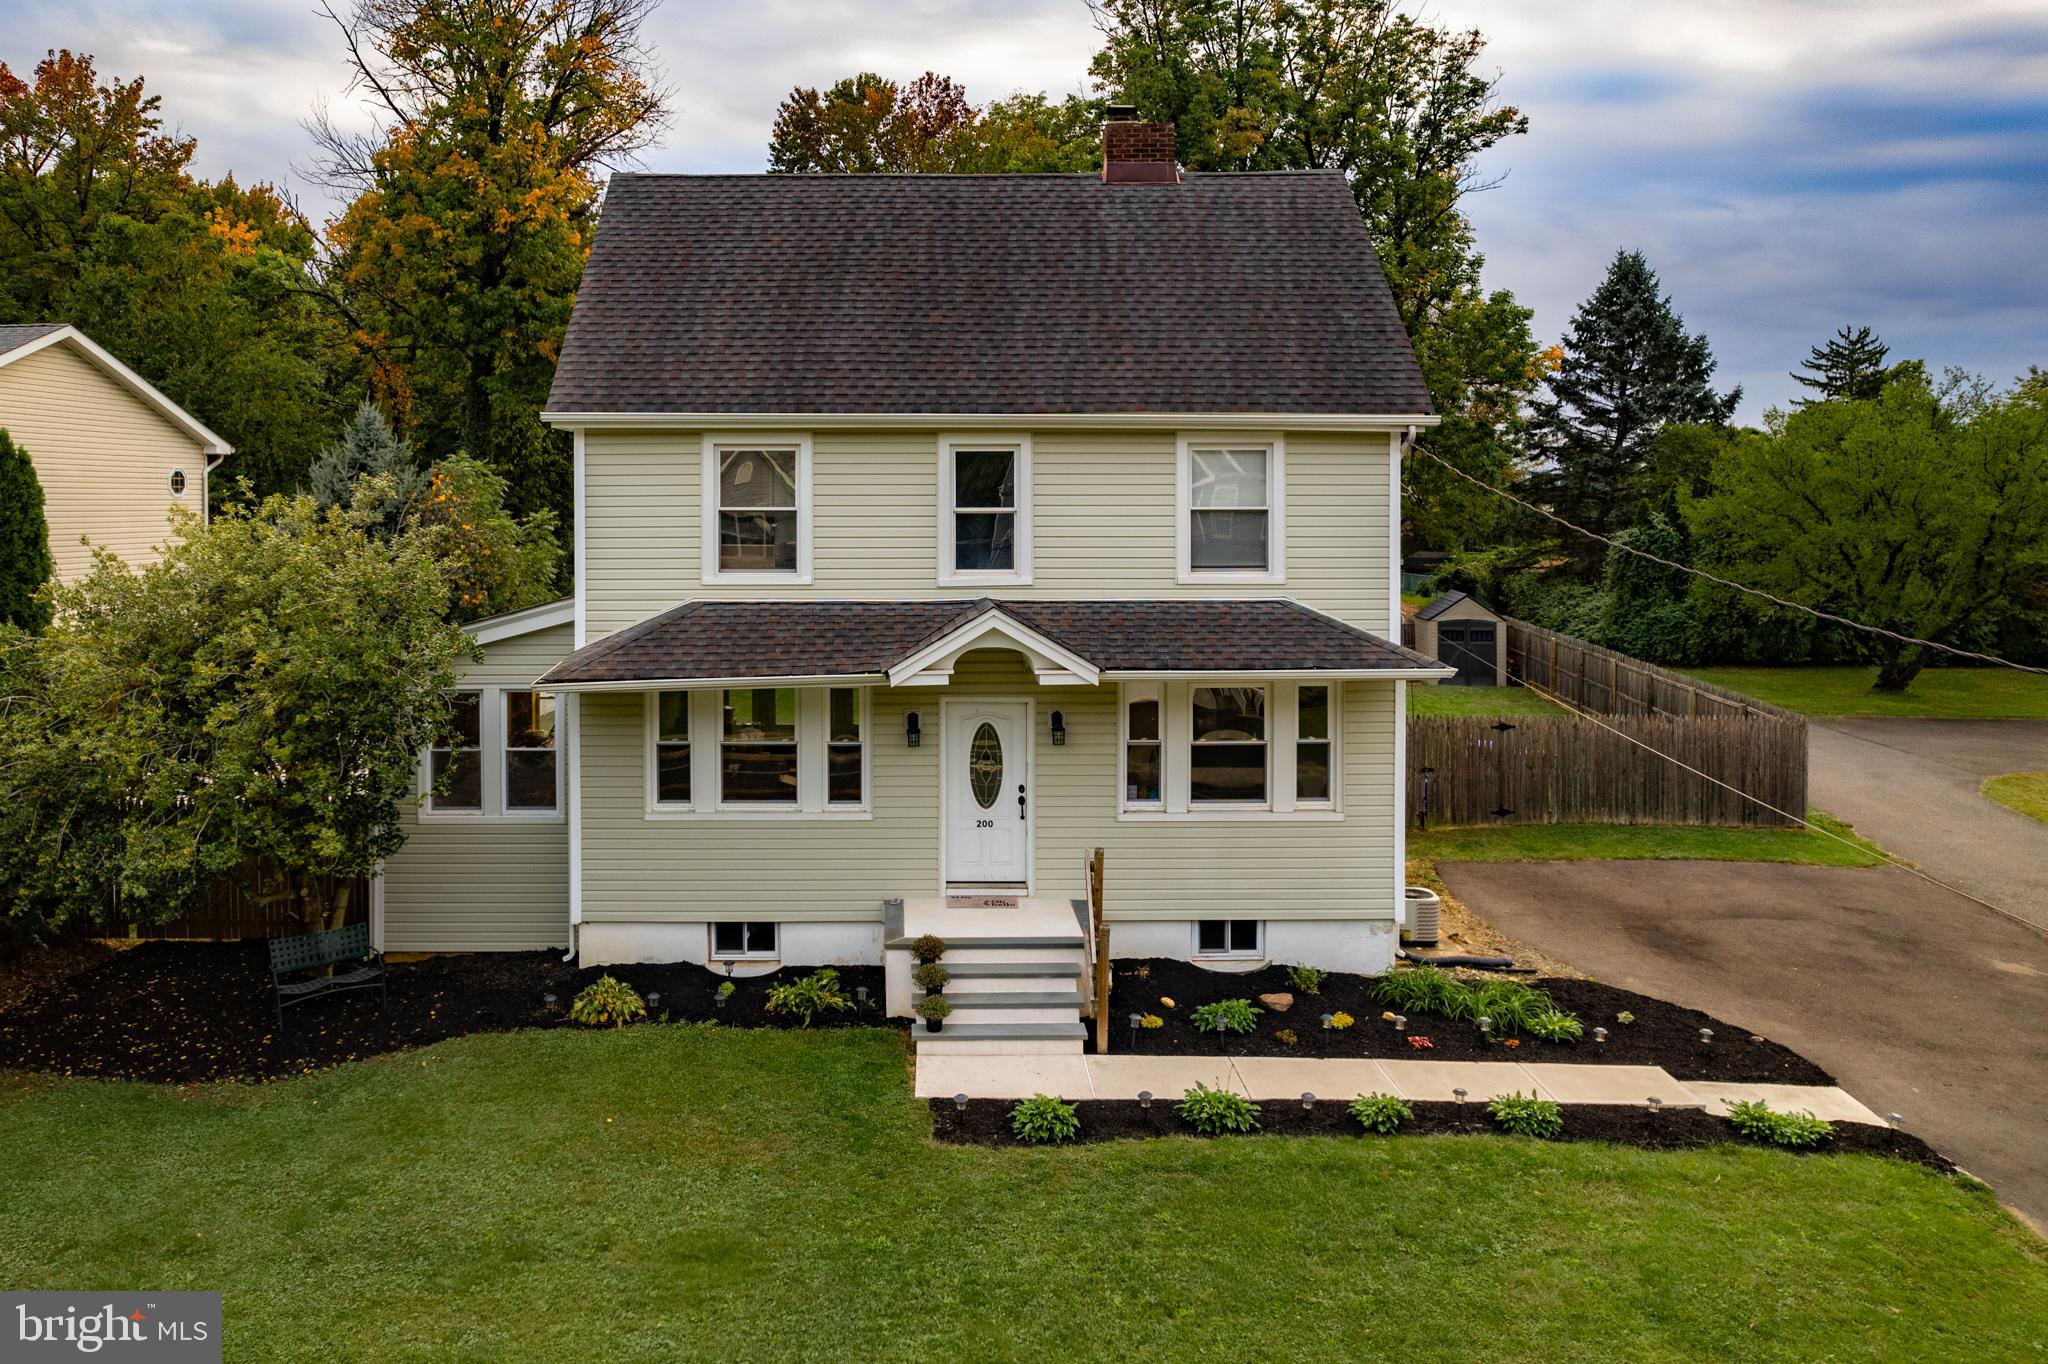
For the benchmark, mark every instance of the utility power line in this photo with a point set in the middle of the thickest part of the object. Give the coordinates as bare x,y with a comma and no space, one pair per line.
1770,597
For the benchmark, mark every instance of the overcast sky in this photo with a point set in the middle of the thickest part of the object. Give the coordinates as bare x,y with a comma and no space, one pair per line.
1787,165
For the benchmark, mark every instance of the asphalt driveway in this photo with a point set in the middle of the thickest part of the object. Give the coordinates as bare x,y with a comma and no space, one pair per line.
1911,785
1919,1001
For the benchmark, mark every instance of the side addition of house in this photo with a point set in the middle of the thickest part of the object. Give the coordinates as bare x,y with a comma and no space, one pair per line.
113,454
933,531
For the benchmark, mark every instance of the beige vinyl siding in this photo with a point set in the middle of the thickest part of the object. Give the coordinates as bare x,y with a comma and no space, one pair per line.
102,454
484,885
1104,522
686,870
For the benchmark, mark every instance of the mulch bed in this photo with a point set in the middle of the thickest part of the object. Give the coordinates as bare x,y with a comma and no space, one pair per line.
1663,1034
178,1012
986,1122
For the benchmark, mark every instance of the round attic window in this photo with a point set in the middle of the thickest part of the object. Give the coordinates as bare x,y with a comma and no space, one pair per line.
177,482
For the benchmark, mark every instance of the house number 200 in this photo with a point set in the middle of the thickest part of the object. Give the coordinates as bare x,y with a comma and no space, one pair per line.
984,824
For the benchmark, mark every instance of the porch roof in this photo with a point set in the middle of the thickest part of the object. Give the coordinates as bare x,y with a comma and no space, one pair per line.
911,643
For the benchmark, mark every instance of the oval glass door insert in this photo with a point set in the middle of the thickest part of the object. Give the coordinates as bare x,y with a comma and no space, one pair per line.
985,765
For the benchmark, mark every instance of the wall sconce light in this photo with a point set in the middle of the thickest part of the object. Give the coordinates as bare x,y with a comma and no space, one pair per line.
913,732
1059,729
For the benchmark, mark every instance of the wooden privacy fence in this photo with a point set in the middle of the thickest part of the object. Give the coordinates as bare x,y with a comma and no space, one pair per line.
1607,683
1474,769
236,910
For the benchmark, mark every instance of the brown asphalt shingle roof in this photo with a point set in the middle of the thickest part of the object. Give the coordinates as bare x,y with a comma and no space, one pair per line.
1024,294
741,639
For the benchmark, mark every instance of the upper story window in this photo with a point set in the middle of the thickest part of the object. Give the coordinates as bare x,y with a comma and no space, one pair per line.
1232,525
757,510
751,752
500,759
1256,748
984,510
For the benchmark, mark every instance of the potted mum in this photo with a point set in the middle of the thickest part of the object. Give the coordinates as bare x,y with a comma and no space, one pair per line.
933,1010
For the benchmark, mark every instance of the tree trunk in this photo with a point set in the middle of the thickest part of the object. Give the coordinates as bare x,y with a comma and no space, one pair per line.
339,890
1898,665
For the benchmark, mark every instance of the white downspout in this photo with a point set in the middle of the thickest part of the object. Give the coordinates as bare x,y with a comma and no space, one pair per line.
572,740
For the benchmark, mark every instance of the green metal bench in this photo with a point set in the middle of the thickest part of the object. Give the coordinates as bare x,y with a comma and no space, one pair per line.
317,951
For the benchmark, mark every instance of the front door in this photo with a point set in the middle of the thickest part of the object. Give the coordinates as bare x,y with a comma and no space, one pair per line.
988,793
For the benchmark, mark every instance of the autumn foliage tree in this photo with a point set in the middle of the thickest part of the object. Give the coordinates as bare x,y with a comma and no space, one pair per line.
200,287
474,202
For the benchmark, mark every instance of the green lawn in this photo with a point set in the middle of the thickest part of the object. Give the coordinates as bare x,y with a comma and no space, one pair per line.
1582,842
1957,693
684,1193
1425,699
2026,792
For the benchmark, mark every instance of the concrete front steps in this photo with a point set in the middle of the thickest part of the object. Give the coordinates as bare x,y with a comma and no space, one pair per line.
1015,976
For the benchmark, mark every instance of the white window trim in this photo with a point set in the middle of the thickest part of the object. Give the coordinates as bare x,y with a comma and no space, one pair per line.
1276,506
713,445
491,731
713,956
949,445
813,715
1256,953
1283,718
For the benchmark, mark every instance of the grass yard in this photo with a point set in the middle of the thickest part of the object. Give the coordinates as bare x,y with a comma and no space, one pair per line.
1425,699
2026,792
1584,842
1951,693
687,1193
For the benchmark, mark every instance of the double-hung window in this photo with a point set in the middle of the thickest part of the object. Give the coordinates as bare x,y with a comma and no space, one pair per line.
456,766
1232,750
757,510
1227,755
1231,504
758,752
984,510
498,760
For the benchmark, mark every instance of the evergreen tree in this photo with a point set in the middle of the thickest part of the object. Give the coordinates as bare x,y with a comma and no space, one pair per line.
1850,366
1628,369
25,563
369,448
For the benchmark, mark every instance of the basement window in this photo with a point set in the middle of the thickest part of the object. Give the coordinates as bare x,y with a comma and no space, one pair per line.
739,941
1228,938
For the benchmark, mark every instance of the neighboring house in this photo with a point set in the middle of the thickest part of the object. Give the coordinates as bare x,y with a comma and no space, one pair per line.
113,454
1468,635
931,532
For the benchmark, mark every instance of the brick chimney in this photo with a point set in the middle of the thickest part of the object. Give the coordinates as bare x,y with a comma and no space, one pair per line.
1135,153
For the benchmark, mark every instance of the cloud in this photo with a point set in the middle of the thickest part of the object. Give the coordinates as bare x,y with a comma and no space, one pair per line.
1787,167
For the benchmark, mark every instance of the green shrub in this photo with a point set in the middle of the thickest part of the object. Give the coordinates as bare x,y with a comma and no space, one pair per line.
928,948
931,977
1042,1119
1422,990
607,1000
809,996
1527,1117
726,988
1307,979
932,1008
1287,1037
1758,1121
1509,1003
1232,1015
1382,1113
1213,1112
1555,1025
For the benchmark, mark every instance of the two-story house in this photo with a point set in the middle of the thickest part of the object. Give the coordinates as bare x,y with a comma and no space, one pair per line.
931,532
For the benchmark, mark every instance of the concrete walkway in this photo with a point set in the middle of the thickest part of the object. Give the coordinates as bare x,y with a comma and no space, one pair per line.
1911,786
1268,1077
